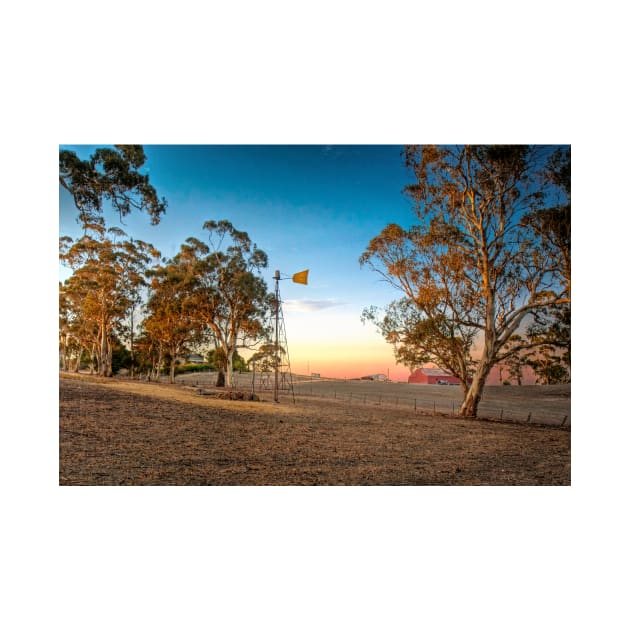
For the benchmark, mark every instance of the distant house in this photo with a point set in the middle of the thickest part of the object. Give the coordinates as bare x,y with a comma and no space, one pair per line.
432,376
374,377
194,358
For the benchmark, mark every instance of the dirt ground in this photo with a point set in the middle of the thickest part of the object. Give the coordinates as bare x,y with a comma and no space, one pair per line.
115,432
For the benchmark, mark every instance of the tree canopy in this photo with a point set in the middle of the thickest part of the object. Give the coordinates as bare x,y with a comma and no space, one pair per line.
109,175
108,274
220,296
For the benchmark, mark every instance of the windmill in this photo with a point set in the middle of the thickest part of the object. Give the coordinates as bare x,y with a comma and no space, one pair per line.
280,335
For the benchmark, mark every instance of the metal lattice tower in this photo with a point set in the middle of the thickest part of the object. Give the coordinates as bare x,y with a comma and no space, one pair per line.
283,379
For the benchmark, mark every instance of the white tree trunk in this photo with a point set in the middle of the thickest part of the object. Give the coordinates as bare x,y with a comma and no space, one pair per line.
228,368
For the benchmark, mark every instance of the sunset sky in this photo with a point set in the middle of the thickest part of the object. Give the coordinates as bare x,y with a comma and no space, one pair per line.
310,207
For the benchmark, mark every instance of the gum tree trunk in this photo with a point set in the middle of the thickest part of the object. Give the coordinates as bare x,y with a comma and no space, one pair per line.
471,401
470,405
171,374
228,368
473,395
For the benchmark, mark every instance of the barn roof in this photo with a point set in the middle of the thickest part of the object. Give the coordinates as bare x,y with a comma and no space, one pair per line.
434,372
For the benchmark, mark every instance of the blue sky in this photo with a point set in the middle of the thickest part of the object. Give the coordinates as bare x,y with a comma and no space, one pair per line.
309,207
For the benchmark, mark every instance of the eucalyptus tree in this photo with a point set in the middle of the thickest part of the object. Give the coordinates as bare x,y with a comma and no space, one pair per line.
110,175
170,326
147,355
231,297
548,366
72,339
108,273
551,326
473,270
234,296
64,330
266,357
78,330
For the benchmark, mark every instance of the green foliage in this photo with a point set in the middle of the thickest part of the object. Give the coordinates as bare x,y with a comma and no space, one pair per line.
264,359
229,296
121,357
549,366
238,363
109,175
551,222
553,373
189,368
418,340
170,325
209,294
217,361
108,275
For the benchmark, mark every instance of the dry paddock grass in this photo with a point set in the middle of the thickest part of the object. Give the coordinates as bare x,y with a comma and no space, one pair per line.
131,433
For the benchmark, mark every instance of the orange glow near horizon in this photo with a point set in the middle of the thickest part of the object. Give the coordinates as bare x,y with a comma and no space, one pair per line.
335,344
346,360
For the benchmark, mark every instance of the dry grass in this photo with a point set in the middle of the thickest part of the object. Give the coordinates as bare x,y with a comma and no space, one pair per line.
130,433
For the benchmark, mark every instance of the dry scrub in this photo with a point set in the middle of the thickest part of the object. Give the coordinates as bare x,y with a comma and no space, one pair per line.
130,433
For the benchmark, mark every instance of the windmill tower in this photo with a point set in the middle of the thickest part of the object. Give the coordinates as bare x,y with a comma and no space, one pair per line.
283,378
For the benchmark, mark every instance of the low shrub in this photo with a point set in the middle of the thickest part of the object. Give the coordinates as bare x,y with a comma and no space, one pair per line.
193,367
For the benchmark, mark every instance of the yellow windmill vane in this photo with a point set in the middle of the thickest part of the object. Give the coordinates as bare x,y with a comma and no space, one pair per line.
301,277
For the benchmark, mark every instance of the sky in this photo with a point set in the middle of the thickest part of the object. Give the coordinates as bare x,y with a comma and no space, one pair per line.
312,207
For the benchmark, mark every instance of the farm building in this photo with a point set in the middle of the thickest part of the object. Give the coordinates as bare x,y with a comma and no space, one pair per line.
375,377
191,358
432,376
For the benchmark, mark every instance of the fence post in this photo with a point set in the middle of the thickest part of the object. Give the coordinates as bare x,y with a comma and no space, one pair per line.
434,407
415,405
564,420
529,416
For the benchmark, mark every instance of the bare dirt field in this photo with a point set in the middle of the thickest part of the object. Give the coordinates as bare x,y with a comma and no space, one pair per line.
116,432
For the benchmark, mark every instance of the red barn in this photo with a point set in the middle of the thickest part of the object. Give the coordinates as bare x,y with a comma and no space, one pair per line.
433,376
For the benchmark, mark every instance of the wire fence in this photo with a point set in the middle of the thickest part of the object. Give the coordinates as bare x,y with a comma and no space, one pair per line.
425,400
438,407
